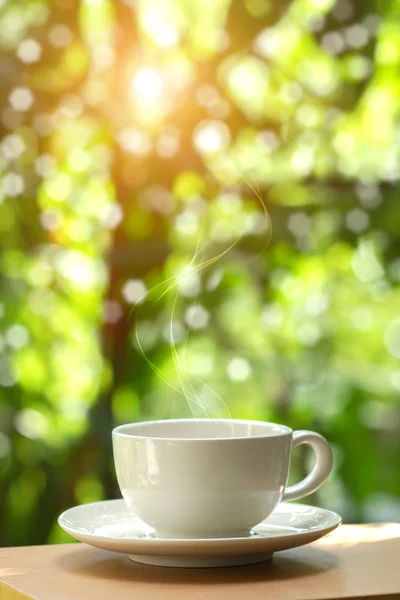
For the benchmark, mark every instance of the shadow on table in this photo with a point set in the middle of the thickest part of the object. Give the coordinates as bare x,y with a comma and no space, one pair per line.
91,562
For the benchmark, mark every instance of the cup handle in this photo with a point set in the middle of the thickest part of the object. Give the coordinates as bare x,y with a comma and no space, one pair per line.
321,470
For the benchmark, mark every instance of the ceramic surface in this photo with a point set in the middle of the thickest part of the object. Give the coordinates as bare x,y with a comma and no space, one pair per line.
110,525
211,477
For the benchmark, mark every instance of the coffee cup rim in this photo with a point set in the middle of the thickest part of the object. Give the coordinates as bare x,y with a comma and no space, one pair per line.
119,431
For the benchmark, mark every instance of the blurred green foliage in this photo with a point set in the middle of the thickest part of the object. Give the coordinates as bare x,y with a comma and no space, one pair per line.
137,140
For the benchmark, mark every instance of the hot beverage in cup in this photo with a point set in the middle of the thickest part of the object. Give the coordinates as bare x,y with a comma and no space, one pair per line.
204,478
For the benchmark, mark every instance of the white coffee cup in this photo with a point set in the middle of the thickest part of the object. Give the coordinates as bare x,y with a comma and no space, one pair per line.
202,478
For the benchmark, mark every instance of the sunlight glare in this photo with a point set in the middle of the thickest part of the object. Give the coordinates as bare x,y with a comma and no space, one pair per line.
159,28
358,534
147,84
211,136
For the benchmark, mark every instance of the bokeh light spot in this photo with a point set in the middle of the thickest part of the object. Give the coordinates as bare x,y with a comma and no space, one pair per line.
31,423
59,187
357,220
395,380
173,332
5,446
343,11
392,338
214,280
79,270
45,165
189,283
187,223
147,332
299,223
51,219
358,67
272,317
365,262
13,146
113,216
197,317
112,311
29,51
134,291
356,36
60,36
238,369
211,136
7,378
12,184
43,123
168,143
17,336
333,42
206,95
71,106
103,56
79,160
135,141
21,99
309,333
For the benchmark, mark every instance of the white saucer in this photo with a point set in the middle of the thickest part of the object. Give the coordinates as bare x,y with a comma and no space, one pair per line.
112,526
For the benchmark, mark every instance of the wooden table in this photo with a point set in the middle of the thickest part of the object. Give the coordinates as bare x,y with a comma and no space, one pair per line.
355,561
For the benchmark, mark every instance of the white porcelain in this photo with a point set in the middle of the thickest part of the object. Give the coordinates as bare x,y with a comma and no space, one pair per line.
110,525
207,478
